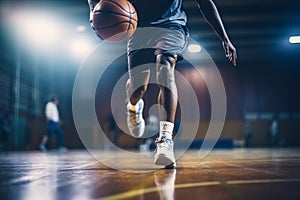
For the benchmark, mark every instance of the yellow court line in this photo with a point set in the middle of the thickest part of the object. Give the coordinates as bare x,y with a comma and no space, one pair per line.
133,193
237,182
136,192
141,188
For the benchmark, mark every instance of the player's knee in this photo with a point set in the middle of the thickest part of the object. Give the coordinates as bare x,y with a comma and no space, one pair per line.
165,71
164,75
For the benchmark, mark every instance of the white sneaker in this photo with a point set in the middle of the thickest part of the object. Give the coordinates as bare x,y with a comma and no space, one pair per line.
135,121
43,148
164,153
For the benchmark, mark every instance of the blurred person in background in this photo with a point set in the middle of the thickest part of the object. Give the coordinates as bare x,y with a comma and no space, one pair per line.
54,126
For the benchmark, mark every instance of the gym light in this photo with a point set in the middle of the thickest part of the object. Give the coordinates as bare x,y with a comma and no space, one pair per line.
294,39
194,48
38,28
80,28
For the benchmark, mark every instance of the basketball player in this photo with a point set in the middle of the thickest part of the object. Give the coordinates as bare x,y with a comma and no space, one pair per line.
167,46
53,120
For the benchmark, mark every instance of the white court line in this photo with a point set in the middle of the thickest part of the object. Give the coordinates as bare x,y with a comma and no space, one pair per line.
83,165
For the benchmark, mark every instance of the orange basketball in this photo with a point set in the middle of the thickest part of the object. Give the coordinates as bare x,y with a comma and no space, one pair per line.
114,20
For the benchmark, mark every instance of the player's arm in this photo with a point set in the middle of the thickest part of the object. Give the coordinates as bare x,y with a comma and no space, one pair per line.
92,4
212,16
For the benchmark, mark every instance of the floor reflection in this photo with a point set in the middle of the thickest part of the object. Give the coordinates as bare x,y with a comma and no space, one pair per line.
225,174
165,183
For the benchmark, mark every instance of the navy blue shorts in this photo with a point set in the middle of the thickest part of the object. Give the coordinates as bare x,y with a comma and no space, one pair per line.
148,42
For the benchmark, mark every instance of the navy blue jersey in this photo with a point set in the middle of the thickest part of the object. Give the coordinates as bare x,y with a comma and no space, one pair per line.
159,12
156,12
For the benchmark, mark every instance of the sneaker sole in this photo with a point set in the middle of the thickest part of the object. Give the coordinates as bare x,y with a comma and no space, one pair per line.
136,131
162,159
171,166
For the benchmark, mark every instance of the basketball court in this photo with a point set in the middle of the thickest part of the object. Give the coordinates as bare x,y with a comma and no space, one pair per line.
236,130
224,174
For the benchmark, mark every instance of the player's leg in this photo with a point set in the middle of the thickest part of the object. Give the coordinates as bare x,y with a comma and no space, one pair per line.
167,87
47,137
137,85
135,106
168,100
169,45
60,135
139,74
42,145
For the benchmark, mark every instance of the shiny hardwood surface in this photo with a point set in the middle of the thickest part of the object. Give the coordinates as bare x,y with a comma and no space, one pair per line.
223,174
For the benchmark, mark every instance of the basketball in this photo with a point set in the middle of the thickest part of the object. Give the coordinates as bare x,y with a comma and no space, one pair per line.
114,20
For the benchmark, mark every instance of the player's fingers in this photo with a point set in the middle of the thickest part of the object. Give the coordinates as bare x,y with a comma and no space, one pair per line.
234,58
225,46
228,50
230,56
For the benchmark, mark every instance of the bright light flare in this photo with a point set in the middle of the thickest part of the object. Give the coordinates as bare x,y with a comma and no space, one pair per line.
36,27
81,46
80,28
294,39
194,48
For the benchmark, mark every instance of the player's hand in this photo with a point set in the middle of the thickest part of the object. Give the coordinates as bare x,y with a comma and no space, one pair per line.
230,52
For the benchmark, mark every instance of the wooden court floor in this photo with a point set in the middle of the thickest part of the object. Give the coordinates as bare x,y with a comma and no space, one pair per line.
222,174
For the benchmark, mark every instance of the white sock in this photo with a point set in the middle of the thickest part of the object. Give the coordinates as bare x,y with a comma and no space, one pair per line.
166,129
132,107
